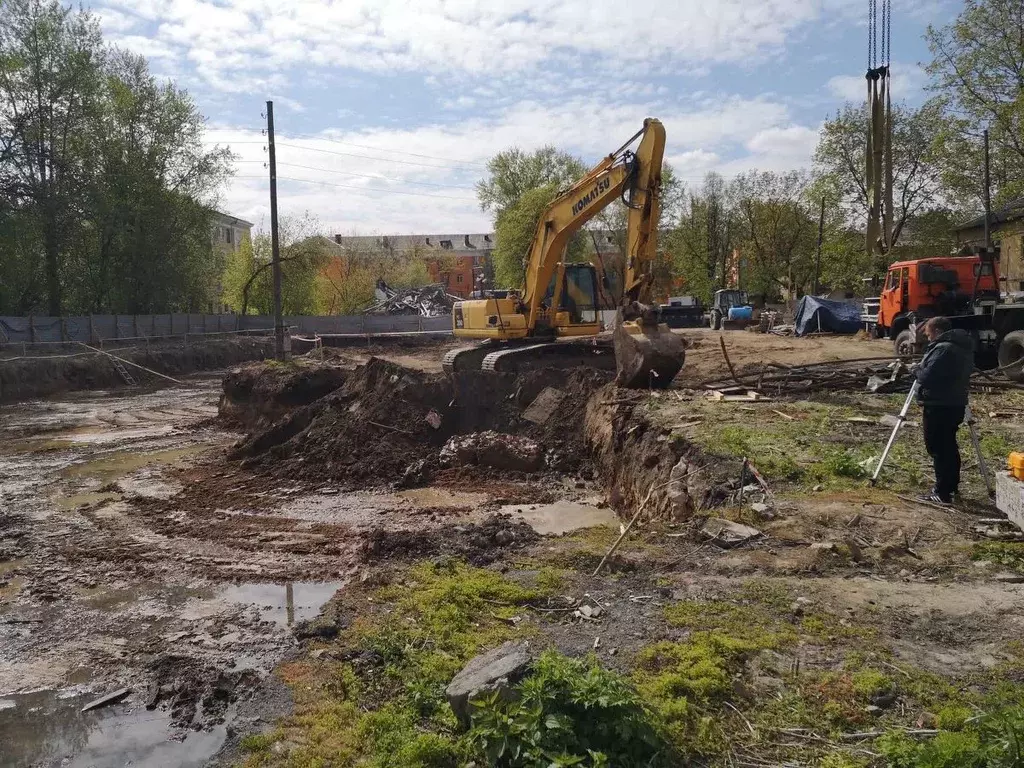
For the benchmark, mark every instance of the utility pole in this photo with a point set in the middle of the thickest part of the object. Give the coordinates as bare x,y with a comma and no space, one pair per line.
988,199
275,243
817,257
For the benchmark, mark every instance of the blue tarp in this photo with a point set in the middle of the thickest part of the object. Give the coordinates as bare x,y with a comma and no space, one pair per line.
814,314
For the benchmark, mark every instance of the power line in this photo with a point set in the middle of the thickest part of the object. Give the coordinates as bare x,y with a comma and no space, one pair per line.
392,151
365,175
366,189
368,157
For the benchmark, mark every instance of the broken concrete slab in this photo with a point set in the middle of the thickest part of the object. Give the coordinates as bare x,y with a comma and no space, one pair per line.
495,670
110,698
540,410
494,449
727,534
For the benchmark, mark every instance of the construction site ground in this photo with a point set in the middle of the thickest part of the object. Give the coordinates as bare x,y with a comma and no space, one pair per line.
290,574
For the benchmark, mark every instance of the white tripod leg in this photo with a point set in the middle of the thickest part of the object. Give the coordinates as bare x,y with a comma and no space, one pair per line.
895,431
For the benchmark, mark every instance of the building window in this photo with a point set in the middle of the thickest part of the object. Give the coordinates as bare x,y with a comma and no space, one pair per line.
458,278
229,234
446,244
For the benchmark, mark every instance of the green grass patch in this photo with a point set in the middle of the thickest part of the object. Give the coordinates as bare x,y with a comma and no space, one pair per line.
570,712
1008,554
993,741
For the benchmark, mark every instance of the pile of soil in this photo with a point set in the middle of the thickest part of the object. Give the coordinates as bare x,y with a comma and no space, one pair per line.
386,418
197,694
478,545
258,394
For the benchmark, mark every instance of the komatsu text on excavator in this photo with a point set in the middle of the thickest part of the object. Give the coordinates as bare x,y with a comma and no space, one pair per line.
554,320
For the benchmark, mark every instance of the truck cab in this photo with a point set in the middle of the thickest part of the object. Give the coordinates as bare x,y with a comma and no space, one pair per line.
963,288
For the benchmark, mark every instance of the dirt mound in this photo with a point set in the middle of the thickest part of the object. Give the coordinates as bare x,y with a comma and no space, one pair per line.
257,395
386,418
196,694
477,544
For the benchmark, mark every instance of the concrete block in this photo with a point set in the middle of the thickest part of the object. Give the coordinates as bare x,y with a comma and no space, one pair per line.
1010,497
496,670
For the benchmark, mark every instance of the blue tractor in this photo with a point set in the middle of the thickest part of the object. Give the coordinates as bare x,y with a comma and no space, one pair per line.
730,309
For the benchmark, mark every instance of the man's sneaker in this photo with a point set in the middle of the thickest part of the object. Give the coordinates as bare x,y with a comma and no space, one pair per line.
934,498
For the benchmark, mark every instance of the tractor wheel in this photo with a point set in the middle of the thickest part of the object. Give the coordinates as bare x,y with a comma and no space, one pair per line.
716,321
1011,355
906,344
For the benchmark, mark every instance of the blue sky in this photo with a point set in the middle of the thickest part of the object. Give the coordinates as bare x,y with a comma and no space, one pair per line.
386,111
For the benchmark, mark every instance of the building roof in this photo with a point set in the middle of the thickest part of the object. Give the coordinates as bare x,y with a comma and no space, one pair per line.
464,243
482,241
1012,210
227,218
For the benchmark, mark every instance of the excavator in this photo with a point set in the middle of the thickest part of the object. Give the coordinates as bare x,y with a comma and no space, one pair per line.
553,321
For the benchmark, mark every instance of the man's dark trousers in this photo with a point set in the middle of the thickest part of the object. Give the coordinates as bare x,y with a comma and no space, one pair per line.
940,426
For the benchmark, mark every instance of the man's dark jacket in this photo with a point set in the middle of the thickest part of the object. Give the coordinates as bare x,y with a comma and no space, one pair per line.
945,371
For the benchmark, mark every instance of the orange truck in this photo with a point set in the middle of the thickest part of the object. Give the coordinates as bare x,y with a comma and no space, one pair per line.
966,290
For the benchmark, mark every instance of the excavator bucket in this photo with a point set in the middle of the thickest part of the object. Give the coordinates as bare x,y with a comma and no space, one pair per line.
647,355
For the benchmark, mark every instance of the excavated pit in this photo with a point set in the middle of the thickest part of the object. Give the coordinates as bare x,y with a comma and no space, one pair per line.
388,425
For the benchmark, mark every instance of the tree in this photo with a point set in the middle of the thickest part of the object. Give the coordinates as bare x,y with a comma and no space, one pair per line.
514,172
248,276
701,243
839,164
345,284
777,231
50,78
977,68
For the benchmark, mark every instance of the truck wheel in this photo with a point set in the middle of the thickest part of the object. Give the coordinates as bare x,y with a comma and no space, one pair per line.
905,344
1011,351
716,321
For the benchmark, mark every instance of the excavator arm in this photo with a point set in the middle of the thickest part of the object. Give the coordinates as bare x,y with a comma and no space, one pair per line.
634,176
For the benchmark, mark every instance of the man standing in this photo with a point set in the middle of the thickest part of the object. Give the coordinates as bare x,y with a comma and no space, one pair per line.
944,376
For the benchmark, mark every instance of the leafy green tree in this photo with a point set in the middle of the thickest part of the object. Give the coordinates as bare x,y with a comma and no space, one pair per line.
514,231
777,232
105,182
702,240
917,173
248,279
976,70
514,172
51,60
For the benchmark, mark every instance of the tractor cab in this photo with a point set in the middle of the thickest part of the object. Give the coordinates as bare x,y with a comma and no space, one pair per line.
730,309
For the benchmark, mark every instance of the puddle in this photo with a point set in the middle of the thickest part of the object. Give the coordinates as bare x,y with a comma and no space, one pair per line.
283,604
48,728
442,497
12,589
86,498
119,463
6,566
562,516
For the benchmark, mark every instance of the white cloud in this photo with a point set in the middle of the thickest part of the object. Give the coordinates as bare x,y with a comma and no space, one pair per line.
409,179
254,37
116,22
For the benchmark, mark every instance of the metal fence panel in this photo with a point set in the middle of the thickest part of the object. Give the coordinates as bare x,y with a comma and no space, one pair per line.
97,328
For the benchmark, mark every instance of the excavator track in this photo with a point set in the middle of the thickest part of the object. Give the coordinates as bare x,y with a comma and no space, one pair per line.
552,354
466,358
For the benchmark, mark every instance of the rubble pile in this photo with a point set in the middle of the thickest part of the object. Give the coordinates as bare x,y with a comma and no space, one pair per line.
428,301
389,424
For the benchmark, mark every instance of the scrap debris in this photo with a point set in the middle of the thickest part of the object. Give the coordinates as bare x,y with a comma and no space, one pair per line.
427,301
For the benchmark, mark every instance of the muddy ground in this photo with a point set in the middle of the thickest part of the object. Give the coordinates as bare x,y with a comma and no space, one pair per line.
148,544
44,372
